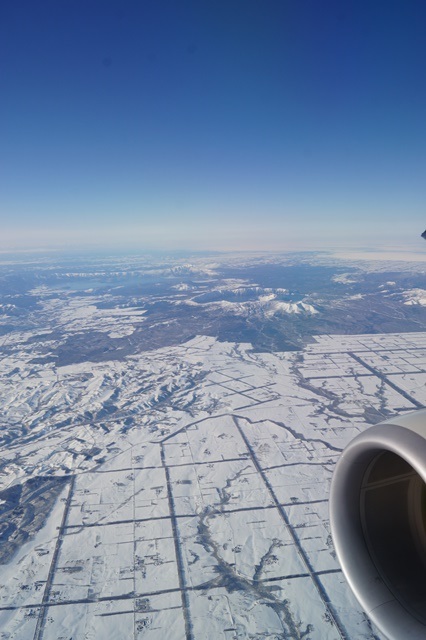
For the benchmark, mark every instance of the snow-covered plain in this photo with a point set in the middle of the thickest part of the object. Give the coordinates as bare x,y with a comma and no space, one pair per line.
157,485
196,496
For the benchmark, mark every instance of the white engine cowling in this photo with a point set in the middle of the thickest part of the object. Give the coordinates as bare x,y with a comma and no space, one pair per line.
378,523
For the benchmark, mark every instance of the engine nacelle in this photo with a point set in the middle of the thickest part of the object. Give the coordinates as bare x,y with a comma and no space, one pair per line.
378,523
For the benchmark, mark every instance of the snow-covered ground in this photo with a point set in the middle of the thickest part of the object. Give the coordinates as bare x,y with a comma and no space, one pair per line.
195,503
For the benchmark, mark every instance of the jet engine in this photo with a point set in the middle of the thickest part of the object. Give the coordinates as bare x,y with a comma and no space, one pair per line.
378,523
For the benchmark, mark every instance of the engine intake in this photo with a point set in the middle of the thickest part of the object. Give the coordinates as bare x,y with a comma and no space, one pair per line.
378,523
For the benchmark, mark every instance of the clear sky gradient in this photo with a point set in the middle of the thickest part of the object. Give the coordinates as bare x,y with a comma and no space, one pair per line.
212,124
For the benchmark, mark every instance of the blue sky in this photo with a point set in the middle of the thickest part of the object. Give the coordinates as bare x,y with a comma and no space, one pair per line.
225,124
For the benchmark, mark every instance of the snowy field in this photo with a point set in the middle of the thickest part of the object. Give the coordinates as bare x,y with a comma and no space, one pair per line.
194,494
